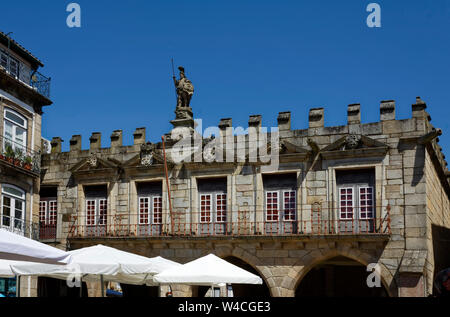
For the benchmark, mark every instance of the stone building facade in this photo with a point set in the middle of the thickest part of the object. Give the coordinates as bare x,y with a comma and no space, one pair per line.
23,94
339,199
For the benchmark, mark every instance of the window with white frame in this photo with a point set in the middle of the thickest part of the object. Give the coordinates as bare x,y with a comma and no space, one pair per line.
150,203
213,200
15,130
13,207
280,204
356,190
346,203
280,197
366,203
205,208
272,203
221,207
48,206
96,205
290,205
356,201
48,211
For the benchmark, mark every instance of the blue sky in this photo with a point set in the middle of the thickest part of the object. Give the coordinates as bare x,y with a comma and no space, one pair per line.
244,57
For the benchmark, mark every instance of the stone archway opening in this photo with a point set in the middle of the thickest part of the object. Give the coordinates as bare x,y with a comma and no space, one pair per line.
240,290
338,277
246,290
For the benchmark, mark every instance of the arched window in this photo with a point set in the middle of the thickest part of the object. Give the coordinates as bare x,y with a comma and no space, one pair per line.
15,132
12,208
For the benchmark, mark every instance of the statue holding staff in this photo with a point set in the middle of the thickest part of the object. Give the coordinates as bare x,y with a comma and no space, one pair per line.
184,89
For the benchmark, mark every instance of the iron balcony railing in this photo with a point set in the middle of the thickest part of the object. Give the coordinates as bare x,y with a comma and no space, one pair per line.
19,226
241,223
47,231
19,156
41,84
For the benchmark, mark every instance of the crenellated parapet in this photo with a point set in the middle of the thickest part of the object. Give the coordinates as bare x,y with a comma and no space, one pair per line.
316,137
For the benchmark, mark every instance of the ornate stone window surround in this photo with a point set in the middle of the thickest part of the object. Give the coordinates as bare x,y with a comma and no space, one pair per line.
380,182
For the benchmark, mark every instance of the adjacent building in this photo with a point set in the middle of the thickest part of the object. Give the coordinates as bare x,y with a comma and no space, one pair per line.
24,91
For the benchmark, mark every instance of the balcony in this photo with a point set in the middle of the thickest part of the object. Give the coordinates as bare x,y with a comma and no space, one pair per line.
30,78
47,231
41,84
17,156
244,224
19,226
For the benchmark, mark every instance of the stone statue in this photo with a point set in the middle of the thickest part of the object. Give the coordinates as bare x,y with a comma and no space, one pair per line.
185,89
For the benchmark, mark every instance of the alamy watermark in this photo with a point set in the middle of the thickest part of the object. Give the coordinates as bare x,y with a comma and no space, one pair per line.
374,18
74,18
374,278
230,145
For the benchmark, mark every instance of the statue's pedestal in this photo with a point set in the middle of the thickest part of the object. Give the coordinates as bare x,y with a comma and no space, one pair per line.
184,119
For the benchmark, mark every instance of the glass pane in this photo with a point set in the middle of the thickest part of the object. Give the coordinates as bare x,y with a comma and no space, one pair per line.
205,214
13,67
157,210
143,211
15,118
103,208
6,211
3,60
52,212
20,137
90,212
18,212
8,130
13,191
42,211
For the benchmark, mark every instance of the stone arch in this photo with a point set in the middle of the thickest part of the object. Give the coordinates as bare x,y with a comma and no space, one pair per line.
248,258
316,257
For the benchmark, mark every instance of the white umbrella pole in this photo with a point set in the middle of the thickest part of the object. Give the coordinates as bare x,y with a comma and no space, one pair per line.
103,286
81,286
17,286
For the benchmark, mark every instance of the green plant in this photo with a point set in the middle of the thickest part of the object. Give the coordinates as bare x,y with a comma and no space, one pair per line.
19,154
28,160
9,152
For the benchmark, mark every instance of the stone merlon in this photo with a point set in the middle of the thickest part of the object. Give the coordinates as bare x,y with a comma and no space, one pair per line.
255,121
316,118
56,144
387,110
75,143
354,113
96,140
139,136
116,138
284,121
